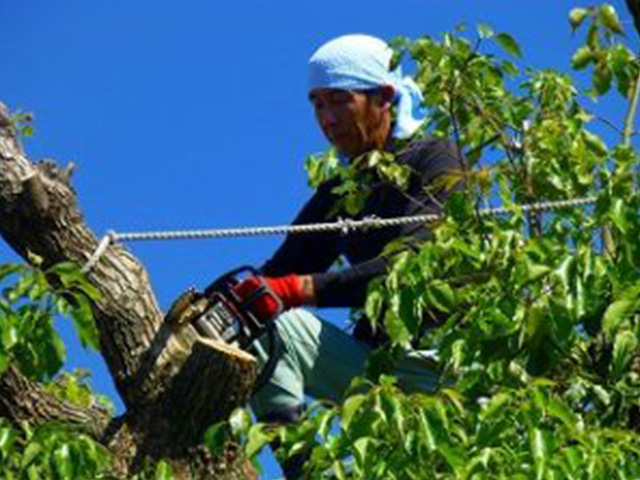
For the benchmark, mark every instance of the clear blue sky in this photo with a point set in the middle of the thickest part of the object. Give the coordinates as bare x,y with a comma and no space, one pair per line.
194,114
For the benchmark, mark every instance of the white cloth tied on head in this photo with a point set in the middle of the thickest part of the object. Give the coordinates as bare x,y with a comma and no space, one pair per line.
361,62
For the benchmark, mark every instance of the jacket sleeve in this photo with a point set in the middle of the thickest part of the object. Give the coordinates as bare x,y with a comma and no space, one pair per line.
348,287
429,160
305,254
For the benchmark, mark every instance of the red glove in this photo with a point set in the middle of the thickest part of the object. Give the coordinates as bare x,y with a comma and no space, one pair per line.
288,289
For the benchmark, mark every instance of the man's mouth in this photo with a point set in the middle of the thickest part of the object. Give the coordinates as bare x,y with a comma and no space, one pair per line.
338,136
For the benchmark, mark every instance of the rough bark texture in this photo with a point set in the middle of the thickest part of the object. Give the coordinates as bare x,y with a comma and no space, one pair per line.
173,383
22,399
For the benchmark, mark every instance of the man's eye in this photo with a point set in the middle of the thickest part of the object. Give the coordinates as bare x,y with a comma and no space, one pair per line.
339,102
339,99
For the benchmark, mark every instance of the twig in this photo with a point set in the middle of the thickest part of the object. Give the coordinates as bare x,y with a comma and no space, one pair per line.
609,123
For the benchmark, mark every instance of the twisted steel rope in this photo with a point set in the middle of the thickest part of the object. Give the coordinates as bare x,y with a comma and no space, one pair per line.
343,225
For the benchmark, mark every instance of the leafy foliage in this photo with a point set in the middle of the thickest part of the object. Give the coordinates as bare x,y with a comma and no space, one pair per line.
19,123
354,180
50,451
534,316
75,388
31,299
538,352
29,302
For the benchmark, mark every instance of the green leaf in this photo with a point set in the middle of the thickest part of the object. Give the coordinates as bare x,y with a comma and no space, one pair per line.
454,456
9,269
539,450
536,271
610,19
496,406
373,304
82,316
89,290
5,360
163,471
349,409
216,437
395,327
428,434
595,143
298,448
63,462
257,439
582,57
325,422
9,337
601,394
602,78
485,31
68,272
30,453
360,449
624,350
59,354
624,65
392,408
338,470
441,295
7,439
577,16
507,42
33,473
619,311
239,421
562,412
21,288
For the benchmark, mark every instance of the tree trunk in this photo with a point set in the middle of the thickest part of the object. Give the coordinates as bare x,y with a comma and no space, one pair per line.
173,382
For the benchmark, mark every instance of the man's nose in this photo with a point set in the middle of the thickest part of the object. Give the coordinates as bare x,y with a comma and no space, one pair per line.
327,117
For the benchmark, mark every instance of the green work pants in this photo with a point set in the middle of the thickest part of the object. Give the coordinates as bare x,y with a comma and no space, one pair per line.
320,360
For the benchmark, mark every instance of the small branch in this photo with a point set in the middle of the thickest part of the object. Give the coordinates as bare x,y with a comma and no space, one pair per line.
628,132
631,114
610,124
24,400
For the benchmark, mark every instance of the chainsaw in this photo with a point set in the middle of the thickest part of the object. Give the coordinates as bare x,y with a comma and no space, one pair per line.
220,314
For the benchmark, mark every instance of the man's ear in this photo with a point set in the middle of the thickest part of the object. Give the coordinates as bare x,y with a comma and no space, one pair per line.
387,93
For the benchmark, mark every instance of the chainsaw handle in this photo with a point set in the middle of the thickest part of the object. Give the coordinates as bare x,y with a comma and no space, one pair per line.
223,288
229,279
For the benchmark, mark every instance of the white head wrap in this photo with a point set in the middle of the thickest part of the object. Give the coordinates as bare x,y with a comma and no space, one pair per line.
360,62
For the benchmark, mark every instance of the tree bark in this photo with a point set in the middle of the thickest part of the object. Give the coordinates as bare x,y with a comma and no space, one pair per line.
173,382
24,400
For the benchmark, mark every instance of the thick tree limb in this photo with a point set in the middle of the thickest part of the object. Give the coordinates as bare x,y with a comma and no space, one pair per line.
172,382
38,213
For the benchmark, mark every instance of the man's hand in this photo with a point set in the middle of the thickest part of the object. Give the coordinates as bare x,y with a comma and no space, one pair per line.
292,290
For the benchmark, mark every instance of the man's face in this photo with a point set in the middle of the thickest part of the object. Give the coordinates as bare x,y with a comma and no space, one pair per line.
354,122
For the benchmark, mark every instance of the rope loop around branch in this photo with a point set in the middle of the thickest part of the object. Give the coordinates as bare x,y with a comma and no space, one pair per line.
104,243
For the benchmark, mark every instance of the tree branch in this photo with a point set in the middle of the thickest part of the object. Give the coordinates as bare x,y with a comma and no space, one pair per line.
24,400
173,383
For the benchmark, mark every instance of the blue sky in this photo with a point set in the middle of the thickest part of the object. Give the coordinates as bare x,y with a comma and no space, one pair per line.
194,114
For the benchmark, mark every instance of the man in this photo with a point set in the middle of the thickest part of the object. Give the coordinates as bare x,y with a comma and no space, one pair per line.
353,93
